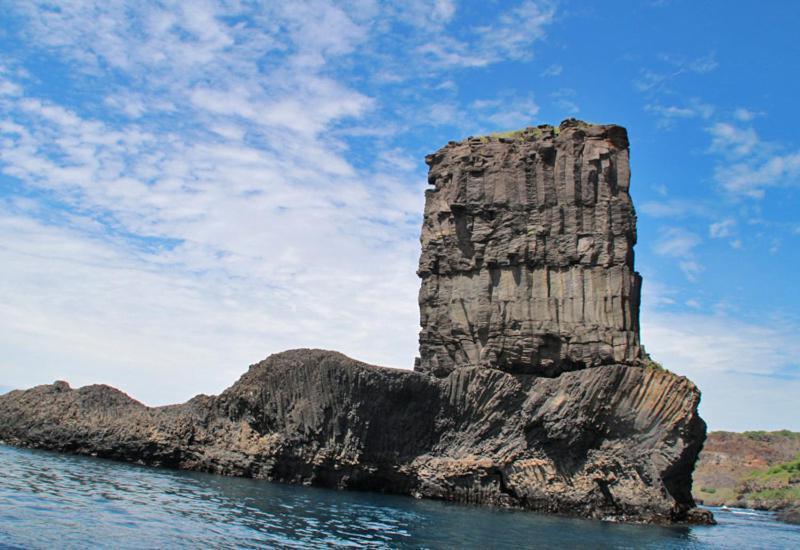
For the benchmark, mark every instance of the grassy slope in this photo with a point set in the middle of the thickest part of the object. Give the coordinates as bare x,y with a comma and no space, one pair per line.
752,469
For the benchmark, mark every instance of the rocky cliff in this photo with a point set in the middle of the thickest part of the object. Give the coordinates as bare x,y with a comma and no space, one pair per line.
611,442
527,270
527,253
750,470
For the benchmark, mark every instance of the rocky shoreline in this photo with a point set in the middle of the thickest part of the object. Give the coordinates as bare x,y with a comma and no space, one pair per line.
754,470
531,390
613,442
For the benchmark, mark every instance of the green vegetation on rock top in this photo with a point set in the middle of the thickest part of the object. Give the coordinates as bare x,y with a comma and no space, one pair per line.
525,134
761,434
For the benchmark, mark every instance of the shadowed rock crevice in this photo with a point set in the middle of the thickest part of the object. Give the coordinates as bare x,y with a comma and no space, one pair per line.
527,281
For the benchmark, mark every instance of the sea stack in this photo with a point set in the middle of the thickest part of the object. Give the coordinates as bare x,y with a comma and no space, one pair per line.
531,389
527,253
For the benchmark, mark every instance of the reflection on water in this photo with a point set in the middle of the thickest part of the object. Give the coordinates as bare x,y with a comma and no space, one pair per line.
49,500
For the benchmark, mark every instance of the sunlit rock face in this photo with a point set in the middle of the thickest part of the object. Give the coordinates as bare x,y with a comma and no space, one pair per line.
527,253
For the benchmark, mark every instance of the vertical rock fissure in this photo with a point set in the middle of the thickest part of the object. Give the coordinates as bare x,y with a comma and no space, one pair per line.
527,253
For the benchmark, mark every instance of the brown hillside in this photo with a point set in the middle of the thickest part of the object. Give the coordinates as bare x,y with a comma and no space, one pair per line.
729,460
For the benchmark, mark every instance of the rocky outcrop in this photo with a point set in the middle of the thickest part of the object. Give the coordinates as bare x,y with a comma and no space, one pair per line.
611,442
750,470
527,253
527,280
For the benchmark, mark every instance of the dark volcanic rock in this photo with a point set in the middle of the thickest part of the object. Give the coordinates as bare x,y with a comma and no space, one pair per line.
612,441
527,279
527,253
790,515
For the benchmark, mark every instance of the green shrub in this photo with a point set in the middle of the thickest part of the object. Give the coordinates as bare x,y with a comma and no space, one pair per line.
762,434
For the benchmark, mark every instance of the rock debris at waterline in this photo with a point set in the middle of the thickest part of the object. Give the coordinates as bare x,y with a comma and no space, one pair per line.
530,390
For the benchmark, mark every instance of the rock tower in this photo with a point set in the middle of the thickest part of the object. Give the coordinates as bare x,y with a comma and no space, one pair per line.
527,253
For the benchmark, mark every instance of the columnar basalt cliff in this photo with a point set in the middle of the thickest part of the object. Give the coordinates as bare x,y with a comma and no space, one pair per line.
527,253
528,280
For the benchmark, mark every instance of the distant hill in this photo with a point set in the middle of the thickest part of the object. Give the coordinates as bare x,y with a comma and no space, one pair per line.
751,469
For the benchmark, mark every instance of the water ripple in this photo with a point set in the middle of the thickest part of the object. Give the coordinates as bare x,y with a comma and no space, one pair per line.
49,500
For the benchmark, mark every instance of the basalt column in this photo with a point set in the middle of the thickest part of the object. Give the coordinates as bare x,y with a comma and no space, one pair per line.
527,253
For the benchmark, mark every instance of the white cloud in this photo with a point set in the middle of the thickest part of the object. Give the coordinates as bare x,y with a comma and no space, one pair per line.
506,113
482,116
731,140
744,115
675,208
751,178
676,242
187,250
651,81
679,243
736,365
750,165
669,114
565,101
721,229
428,15
691,268
509,37
553,70
443,10
9,88
704,64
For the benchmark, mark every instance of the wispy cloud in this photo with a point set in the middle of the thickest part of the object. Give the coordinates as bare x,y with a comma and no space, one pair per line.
506,112
481,116
748,164
237,189
565,100
721,229
745,115
668,115
677,208
553,70
679,243
650,80
234,224
509,37
735,363
732,141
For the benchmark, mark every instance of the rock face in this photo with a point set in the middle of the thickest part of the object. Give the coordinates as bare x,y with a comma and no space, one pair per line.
527,280
527,253
750,470
613,441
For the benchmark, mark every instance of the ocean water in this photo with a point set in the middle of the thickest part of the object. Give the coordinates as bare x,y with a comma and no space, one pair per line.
48,500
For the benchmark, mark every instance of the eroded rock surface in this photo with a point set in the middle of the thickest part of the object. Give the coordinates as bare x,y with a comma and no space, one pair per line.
527,253
611,442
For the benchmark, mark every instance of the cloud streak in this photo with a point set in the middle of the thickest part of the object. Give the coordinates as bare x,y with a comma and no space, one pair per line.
740,366
243,230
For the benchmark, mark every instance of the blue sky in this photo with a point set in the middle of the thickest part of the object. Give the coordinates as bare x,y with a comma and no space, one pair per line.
186,188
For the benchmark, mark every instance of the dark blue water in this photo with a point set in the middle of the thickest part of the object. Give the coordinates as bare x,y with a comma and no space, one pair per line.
49,500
